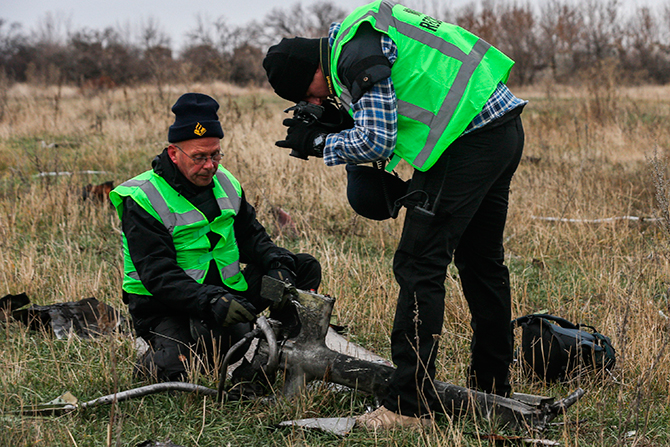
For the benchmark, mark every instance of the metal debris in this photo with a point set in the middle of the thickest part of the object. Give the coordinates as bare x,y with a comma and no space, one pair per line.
87,318
336,426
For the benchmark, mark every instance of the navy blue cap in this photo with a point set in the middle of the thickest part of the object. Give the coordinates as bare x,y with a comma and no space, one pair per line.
195,117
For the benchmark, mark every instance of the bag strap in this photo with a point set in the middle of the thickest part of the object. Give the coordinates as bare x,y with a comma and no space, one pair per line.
390,206
558,320
562,322
519,321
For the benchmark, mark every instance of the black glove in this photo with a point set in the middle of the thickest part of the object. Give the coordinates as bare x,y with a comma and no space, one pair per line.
232,309
282,272
304,138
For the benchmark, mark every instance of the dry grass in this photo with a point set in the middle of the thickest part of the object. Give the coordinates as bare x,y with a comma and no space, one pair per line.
587,157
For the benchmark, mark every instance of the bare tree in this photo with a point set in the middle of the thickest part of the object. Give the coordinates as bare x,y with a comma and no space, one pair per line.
203,59
324,14
435,8
212,46
603,31
561,30
204,62
287,23
12,43
52,28
152,34
158,64
48,44
484,21
646,55
229,37
518,39
312,21
246,66
572,40
202,33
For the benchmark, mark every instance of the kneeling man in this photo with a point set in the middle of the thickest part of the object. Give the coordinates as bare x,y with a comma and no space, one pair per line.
187,227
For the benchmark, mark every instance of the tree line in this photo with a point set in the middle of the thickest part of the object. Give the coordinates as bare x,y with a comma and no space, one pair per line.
559,40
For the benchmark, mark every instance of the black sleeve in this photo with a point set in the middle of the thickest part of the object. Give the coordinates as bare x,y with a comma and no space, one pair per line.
253,241
154,256
362,62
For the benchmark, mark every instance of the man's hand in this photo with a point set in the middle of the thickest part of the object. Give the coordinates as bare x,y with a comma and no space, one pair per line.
284,274
304,138
232,309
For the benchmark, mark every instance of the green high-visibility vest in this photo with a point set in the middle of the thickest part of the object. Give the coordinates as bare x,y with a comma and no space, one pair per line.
188,227
442,77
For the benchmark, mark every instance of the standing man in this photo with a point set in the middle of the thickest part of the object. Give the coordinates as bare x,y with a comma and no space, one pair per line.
187,227
434,95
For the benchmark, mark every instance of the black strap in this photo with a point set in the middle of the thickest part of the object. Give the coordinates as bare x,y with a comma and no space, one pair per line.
558,320
324,61
392,208
426,209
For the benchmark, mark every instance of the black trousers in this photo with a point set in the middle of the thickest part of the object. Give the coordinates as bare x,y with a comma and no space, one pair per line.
175,344
468,225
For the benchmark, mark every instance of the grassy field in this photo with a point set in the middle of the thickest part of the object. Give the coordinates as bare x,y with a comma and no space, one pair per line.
591,153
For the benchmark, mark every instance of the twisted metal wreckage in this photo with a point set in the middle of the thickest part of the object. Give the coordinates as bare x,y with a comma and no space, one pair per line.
301,351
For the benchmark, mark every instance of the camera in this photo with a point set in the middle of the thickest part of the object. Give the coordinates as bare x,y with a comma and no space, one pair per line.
306,112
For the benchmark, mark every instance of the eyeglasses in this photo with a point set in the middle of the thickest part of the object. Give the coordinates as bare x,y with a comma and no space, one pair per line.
201,160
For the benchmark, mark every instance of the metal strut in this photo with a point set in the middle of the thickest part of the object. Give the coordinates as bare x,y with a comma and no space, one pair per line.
262,326
305,357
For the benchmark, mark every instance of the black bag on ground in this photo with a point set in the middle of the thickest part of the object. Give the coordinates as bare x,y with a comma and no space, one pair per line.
555,348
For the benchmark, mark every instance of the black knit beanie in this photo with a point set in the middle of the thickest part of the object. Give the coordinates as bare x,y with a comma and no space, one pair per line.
290,66
195,117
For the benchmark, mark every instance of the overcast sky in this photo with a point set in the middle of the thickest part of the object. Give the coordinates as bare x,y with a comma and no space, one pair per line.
175,17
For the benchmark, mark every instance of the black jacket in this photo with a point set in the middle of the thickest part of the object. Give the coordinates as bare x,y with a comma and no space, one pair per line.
154,256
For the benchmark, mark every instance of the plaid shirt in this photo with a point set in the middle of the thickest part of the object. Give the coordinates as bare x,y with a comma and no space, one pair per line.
376,117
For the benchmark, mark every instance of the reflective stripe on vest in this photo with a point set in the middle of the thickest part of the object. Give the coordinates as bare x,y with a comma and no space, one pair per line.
231,272
439,120
172,220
